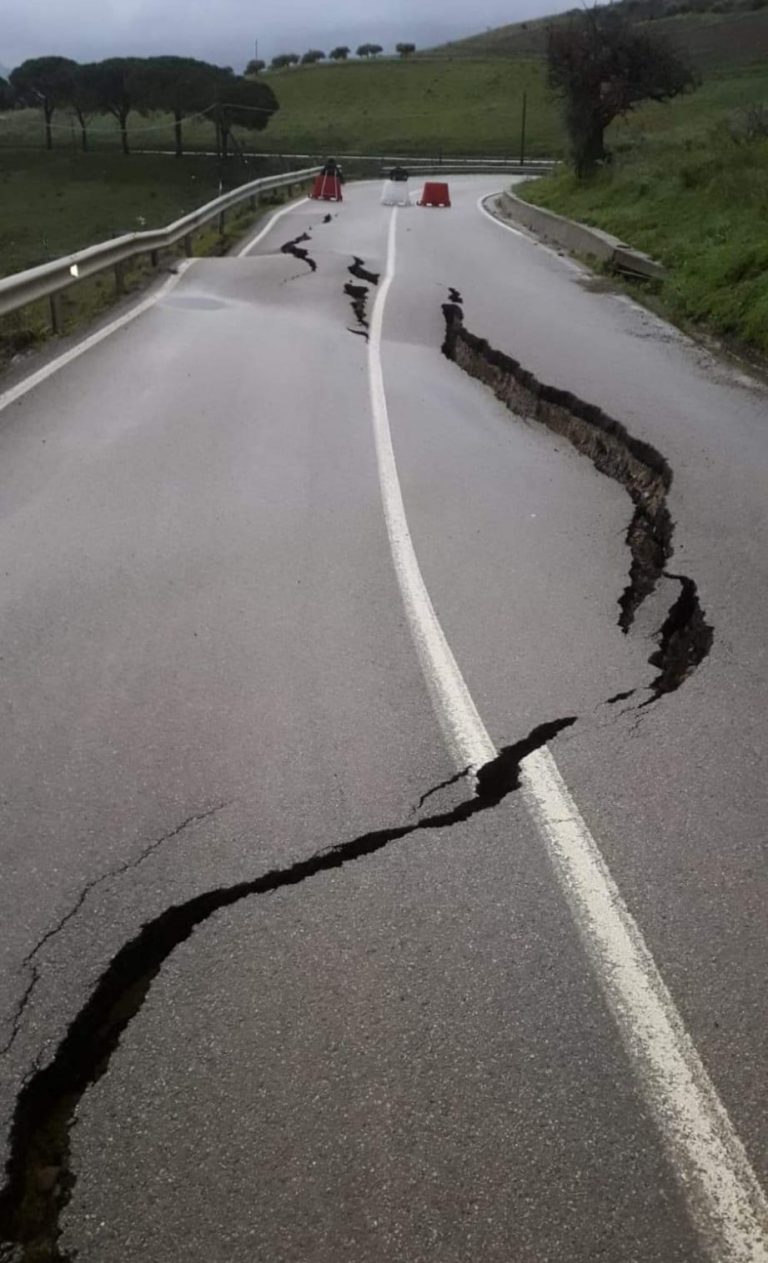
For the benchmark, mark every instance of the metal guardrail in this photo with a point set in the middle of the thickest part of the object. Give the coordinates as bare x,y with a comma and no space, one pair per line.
49,279
476,168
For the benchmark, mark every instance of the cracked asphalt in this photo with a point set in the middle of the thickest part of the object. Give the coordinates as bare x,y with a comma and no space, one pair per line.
208,675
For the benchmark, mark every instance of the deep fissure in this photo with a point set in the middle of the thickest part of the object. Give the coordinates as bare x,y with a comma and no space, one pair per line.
362,273
296,248
358,296
39,1178
30,959
685,639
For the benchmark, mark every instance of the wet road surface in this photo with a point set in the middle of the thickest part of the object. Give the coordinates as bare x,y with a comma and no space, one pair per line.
408,1051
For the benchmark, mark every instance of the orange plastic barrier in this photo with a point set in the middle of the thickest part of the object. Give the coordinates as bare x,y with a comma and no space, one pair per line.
327,188
435,195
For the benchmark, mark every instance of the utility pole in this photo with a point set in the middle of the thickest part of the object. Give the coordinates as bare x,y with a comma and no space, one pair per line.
522,129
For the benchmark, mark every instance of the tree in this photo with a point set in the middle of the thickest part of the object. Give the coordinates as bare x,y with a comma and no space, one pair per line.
375,49
255,65
339,54
115,85
602,66
365,50
241,103
405,50
176,85
283,60
312,57
44,83
6,95
83,99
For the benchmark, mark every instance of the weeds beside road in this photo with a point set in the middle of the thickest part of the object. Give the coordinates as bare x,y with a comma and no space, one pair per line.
689,188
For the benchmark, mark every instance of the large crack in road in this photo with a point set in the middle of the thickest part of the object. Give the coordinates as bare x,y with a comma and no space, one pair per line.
30,960
296,248
685,638
39,1176
358,294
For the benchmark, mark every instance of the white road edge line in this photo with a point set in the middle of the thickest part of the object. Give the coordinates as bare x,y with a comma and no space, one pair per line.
10,396
572,265
725,1200
481,206
261,234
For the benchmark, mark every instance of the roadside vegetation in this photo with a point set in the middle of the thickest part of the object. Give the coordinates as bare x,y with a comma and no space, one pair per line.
688,184
52,204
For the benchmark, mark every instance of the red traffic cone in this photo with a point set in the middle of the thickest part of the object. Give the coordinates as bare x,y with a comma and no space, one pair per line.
435,195
327,188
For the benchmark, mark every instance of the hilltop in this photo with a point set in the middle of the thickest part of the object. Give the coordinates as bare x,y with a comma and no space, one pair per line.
717,34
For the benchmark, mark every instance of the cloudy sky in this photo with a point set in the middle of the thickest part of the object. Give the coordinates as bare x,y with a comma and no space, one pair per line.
224,31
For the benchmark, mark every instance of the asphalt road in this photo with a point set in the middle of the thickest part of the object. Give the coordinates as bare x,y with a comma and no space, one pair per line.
209,674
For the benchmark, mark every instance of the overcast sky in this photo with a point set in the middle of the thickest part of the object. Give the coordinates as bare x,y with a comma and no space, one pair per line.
224,31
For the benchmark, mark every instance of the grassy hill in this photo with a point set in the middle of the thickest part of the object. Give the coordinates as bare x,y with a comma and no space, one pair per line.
387,106
715,40
418,106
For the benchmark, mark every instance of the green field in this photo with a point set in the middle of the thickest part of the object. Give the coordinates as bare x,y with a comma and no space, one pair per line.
428,106
53,203
682,188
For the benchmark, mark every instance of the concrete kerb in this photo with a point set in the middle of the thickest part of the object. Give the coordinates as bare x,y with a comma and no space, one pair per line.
576,237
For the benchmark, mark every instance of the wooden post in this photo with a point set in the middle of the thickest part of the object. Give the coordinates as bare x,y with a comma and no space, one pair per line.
54,302
522,129
154,257
188,245
120,279
221,223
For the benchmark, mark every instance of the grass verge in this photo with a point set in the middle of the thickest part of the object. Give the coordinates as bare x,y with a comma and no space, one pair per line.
685,190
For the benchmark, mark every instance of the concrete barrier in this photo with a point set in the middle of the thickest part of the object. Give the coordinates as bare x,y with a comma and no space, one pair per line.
578,238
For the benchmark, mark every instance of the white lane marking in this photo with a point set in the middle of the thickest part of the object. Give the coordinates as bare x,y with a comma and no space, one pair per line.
501,222
463,728
261,234
724,1198
16,392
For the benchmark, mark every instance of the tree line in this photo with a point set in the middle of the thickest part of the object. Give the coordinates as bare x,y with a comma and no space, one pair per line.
121,86
313,55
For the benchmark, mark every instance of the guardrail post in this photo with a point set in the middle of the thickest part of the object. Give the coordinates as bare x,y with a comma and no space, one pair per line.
221,223
120,278
188,245
54,302
252,201
154,257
